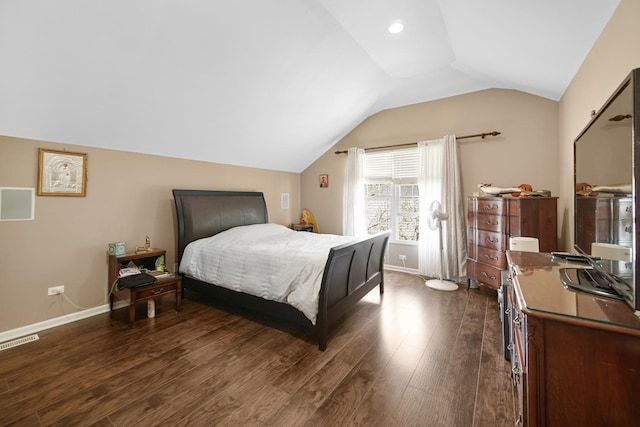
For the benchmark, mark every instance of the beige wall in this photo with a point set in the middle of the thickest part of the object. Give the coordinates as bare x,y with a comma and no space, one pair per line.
525,152
611,59
128,197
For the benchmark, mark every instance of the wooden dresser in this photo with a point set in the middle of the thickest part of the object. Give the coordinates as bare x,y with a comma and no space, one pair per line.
575,356
492,220
604,220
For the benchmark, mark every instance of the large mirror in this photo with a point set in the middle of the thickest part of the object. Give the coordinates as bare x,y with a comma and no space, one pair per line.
605,181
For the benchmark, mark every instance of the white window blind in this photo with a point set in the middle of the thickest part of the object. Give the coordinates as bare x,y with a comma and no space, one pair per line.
395,165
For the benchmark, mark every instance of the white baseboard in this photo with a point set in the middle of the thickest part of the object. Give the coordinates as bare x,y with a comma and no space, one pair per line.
400,269
58,321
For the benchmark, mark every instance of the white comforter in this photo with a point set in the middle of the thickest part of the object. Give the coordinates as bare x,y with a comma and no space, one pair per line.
266,260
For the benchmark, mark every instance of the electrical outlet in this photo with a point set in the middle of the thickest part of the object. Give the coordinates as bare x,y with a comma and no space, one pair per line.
403,257
55,290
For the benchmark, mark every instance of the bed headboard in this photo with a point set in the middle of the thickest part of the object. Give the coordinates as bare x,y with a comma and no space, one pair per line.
203,213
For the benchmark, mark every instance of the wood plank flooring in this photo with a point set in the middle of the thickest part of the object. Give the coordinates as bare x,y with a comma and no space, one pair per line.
413,357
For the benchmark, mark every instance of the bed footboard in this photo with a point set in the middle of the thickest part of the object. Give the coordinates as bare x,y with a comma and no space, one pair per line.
352,270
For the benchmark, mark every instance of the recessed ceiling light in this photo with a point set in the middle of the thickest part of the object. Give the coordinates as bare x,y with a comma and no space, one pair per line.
396,27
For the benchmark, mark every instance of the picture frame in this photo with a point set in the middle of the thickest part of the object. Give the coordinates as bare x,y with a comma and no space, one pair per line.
62,173
324,180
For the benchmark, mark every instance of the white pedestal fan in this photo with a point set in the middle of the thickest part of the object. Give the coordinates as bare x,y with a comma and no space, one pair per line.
435,218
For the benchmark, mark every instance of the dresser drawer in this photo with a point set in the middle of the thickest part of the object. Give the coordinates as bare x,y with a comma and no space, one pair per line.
614,208
491,206
491,239
623,231
484,273
492,257
622,209
518,376
491,222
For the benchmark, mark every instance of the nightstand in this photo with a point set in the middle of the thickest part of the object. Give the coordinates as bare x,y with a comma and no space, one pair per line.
302,227
162,286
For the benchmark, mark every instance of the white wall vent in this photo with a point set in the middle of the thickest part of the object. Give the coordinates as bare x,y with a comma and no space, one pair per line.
17,204
18,341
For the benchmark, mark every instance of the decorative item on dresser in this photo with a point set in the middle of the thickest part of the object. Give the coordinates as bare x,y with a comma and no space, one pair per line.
492,220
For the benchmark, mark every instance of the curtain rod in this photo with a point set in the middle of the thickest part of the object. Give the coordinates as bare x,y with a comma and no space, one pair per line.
481,135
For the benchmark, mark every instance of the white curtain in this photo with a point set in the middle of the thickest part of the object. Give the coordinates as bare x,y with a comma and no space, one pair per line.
353,214
439,180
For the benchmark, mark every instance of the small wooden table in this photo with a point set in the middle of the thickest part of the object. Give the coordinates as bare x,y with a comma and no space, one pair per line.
302,227
164,286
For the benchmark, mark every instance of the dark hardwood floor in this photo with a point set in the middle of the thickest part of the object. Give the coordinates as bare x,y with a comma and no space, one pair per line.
413,357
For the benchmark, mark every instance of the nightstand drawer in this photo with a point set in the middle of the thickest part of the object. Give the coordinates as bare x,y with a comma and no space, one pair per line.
157,290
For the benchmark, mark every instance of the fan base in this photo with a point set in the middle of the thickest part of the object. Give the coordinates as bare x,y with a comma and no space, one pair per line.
441,285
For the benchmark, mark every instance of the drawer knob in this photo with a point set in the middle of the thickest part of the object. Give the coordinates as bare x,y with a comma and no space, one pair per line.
516,372
488,222
157,291
492,257
491,239
490,276
491,207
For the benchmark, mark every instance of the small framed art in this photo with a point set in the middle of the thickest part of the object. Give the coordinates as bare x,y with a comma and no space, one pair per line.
61,173
324,181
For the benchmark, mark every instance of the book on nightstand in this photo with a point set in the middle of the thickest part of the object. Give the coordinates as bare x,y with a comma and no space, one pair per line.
159,274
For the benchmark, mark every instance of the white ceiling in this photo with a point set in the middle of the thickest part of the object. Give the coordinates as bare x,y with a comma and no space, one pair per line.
268,84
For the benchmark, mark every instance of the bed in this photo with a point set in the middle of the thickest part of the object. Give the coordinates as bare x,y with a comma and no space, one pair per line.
351,271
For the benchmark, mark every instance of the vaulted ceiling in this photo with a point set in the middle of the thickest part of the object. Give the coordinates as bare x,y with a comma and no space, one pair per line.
267,83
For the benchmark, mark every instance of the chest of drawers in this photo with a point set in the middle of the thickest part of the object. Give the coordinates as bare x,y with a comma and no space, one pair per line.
604,220
492,220
575,356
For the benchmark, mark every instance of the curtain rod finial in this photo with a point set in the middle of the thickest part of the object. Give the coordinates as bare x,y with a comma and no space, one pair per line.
494,133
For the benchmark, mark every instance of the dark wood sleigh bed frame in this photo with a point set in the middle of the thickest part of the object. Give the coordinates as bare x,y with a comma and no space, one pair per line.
352,269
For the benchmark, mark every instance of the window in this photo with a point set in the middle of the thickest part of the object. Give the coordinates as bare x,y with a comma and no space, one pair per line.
378,201
408,212
391,193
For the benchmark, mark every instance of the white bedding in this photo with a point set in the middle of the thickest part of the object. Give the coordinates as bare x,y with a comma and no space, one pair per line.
266,260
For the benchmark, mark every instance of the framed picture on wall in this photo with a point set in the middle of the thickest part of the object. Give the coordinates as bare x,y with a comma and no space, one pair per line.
324,181
61,173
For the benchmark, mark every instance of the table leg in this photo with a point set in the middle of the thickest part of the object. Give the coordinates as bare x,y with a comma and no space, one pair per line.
178,297
132,307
